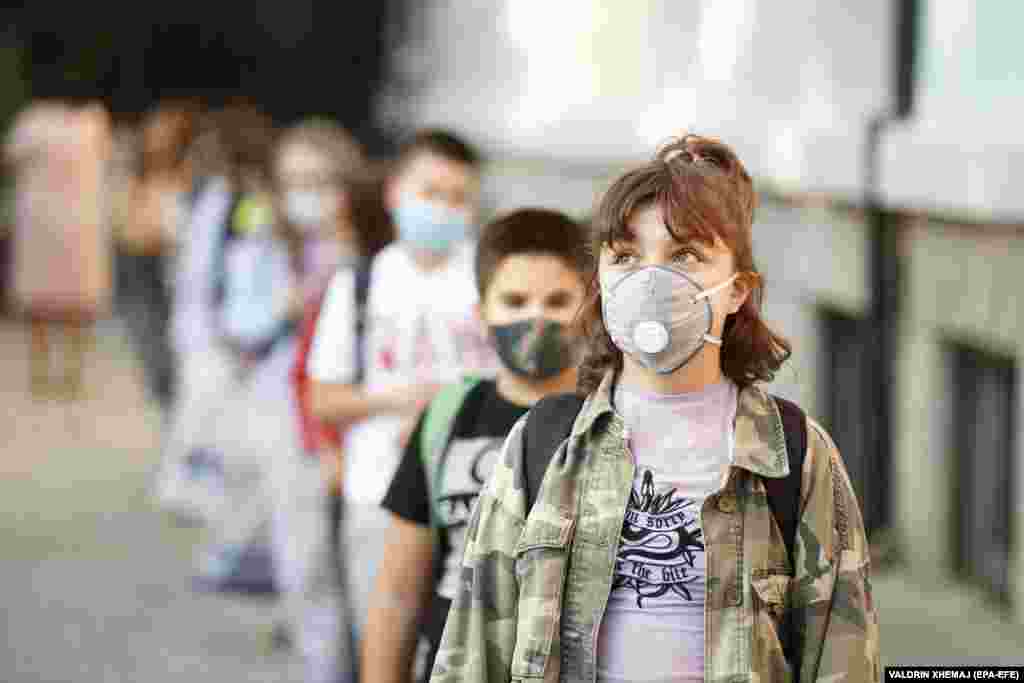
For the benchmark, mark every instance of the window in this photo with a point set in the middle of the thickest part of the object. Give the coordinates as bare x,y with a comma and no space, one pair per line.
983,493
847,384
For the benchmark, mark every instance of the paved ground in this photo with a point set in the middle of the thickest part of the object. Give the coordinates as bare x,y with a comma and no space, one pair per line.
93,580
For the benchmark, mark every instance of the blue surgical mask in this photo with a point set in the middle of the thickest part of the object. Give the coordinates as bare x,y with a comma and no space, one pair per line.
429,226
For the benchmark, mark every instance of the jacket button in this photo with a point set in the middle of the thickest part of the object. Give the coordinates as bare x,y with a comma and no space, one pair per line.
727,504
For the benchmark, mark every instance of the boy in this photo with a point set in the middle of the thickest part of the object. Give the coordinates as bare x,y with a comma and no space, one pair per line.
530,267
419,330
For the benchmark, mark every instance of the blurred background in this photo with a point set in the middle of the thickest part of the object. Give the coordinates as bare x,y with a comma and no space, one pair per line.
884,136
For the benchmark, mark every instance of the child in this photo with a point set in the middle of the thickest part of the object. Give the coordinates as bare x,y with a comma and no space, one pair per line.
530,269
207,367
419,328
661,543
334,212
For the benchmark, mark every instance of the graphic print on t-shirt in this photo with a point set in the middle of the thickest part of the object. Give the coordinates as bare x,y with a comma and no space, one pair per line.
464,470
467,464
661,544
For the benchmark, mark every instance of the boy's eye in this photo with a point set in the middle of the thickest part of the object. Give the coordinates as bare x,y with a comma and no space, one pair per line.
559,300
513,300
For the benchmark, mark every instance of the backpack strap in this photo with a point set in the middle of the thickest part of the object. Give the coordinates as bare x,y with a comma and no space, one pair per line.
784,501
548,425
362,295
436,434
784,493
226,233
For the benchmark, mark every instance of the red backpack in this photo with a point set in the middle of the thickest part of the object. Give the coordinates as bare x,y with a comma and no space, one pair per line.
316,434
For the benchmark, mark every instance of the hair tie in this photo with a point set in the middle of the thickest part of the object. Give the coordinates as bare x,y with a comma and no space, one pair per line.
690,156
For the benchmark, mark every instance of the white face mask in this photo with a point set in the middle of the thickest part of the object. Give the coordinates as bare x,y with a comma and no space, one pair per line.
306,208
658,316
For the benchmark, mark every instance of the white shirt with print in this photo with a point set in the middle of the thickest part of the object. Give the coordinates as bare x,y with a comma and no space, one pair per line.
421,327
653,628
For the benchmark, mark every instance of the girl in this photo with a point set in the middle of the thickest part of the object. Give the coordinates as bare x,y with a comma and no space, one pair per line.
332,210
654,549
57,152
156,213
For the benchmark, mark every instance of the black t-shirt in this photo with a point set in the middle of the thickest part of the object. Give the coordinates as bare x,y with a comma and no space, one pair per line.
479,430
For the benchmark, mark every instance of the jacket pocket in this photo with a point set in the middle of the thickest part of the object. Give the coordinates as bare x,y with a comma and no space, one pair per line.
542,559
770,600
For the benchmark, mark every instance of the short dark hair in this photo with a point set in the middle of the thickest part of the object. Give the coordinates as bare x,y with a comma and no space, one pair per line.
530,231
440,142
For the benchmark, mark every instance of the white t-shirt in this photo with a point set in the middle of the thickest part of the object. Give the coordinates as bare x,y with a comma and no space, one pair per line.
420,327
653,628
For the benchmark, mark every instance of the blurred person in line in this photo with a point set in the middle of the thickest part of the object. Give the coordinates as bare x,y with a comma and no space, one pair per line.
231,200
660,541
530,268
420,328
206,156
272,275
333,216
58,151
154,219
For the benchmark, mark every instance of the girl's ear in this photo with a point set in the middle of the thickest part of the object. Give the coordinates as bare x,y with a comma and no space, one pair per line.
741,288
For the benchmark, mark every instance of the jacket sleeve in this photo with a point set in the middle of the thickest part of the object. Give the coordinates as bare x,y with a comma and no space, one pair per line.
835,616
480,634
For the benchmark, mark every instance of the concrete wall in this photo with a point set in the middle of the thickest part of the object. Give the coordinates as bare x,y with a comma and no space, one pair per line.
963,284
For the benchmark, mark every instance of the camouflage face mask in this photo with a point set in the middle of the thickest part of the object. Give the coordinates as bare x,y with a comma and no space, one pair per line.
537,348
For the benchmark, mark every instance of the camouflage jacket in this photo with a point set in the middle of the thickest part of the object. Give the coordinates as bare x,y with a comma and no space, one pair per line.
535,586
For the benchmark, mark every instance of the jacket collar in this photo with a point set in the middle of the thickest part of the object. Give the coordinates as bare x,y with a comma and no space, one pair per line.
759,439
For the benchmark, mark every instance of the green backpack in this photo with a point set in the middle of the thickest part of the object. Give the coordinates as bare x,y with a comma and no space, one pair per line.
436,434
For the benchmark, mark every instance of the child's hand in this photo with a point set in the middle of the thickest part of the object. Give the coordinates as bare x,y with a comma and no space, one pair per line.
332,467
406,434
296,302
420,395
411,398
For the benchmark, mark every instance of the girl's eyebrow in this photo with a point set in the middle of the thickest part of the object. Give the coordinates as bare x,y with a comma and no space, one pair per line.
620,234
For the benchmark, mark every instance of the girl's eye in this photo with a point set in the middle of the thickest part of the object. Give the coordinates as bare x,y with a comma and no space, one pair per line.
688,256
619,258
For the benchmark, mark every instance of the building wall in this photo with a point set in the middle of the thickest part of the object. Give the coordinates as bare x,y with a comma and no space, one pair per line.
963,284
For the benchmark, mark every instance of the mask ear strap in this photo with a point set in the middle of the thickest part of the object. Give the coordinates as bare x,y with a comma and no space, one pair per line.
717,288
712,339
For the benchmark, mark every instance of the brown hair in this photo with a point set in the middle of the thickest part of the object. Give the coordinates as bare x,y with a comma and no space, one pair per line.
530,231
167,131
343,154
371,220
246,135
704,192
330,139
